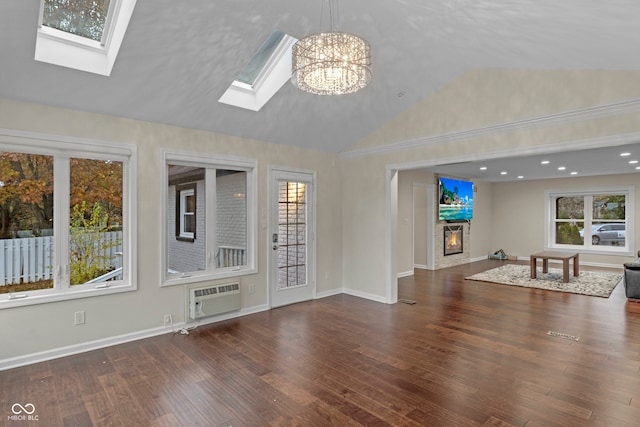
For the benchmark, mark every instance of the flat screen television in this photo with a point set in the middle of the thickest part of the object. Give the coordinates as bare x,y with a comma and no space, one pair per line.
456,199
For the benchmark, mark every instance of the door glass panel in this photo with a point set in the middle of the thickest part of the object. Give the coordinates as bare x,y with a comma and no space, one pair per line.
95,221
292,230
26,222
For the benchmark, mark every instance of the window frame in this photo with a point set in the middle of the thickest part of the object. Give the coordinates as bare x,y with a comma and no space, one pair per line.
182,192
210,162
588,248
63,149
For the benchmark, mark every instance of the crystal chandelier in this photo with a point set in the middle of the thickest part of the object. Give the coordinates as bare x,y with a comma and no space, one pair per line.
331,63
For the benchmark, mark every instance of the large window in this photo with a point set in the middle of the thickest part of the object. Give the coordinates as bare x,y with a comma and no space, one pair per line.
210,217
595,220
65,220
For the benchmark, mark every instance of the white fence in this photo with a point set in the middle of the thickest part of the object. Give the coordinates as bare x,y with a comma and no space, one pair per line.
30,259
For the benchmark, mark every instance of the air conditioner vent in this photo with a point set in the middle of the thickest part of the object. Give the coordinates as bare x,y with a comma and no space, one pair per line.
213,299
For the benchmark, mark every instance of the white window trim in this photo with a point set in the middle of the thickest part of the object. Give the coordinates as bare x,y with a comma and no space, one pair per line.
209,161
67,147
69,50
183,212
627,250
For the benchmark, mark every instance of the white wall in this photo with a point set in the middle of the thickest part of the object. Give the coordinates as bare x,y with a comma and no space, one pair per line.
40,328
421,219
406,235
482,225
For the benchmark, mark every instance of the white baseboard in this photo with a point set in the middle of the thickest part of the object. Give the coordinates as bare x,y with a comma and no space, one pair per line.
365,295
329,293
420,266
70,350
405,274
15,362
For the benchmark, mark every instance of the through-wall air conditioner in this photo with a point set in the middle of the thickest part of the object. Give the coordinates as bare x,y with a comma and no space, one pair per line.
210,300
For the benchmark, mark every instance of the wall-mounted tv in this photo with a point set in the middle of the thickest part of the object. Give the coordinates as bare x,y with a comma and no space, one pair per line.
456,199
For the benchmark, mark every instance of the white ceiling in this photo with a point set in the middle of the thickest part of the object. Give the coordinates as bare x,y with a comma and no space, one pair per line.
178,57
588,162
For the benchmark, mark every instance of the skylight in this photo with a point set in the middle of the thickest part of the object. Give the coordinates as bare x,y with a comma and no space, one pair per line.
82,34
250,72
267,71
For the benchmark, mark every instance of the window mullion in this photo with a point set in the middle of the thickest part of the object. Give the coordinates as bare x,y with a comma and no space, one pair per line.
61,202
588,220
210,219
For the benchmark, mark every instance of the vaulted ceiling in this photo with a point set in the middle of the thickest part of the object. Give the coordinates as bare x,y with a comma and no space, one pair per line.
178,57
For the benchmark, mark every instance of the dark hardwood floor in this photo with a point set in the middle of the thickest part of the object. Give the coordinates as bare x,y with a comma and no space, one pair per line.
466,354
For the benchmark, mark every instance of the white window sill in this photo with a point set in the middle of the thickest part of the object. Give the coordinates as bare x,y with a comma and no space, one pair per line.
21,299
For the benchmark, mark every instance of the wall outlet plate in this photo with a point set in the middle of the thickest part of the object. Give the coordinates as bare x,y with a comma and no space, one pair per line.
78,318
167,320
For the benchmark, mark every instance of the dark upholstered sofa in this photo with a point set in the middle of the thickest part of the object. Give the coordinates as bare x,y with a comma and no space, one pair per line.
632,278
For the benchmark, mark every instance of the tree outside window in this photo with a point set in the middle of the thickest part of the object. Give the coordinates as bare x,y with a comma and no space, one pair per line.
27,220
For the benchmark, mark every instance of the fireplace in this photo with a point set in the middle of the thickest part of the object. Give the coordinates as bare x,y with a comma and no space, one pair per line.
453,239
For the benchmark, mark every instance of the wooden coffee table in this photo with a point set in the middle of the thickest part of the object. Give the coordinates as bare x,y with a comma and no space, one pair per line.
561,256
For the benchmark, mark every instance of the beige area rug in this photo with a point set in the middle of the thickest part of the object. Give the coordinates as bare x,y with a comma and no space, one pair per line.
593,283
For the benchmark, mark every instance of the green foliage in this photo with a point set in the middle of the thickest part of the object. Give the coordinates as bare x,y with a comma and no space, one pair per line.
568,234
87,246
85,18
609,207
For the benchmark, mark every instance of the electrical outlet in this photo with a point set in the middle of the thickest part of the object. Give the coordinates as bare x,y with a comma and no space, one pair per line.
251,288
167,320
78,318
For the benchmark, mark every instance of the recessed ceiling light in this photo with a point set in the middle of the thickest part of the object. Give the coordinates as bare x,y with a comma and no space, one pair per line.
637,167
483,168
624,154
520,176
561,168
633,162
574,173
544,162
503,173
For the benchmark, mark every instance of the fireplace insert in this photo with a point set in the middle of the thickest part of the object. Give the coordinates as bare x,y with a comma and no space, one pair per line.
453,239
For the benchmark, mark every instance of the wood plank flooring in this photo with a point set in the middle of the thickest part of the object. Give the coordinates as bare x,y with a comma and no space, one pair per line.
466,354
